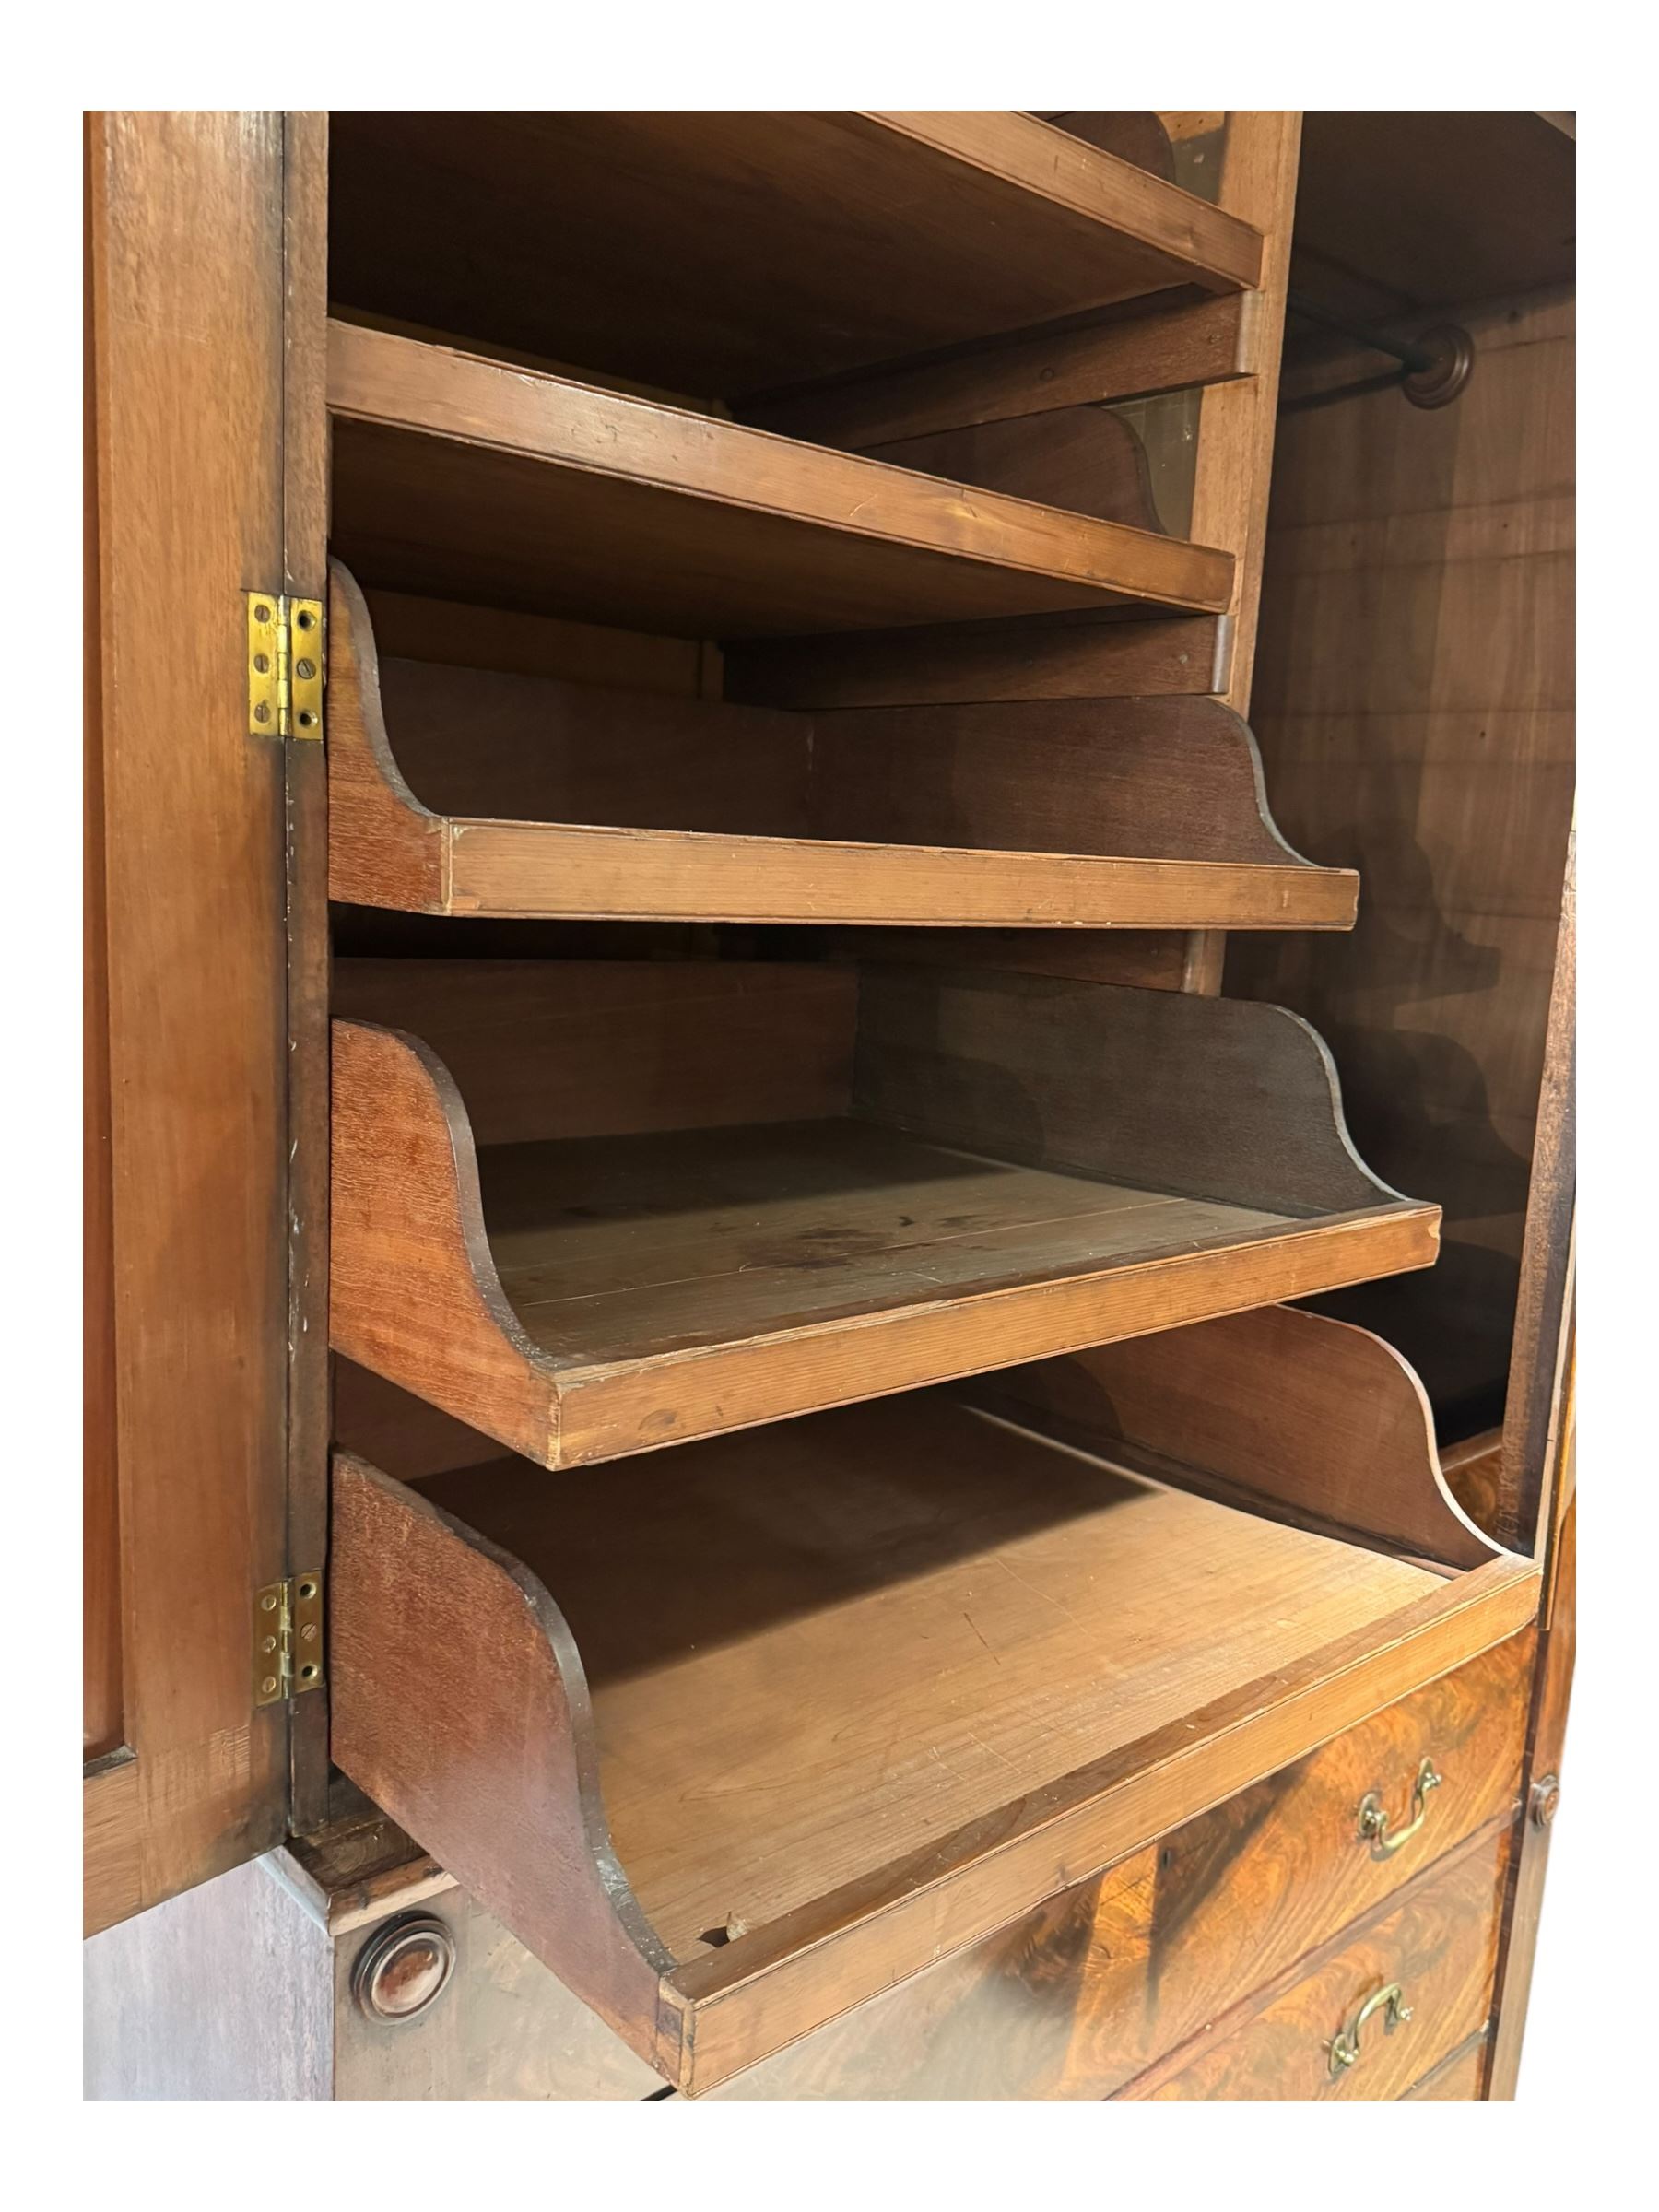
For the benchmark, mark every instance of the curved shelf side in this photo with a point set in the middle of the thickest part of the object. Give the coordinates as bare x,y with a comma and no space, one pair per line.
385,847
788,1188
1159,778
1311,1417
1263,804
505,1718
407,1211
1203,1097
1129,814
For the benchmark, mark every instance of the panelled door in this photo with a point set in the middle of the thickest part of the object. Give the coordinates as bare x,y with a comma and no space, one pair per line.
187,1012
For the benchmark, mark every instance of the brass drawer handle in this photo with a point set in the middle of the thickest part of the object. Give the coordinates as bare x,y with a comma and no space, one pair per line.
1345,2051
1373,1820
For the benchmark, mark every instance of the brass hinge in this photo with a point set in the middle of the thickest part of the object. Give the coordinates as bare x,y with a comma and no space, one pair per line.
287,1638
284,665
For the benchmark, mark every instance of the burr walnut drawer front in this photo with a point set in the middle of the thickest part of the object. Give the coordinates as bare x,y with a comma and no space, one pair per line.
1081,1997
1379,2011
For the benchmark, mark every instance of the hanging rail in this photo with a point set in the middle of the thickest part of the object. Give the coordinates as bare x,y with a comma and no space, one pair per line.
1432,371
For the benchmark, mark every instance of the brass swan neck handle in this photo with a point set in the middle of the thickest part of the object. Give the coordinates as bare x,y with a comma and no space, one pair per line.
1373,1818
1391,2003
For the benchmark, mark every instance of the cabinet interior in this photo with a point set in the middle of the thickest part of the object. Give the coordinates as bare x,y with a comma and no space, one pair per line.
771,755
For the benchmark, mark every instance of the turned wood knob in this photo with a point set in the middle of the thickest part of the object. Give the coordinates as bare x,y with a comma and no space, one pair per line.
403,1967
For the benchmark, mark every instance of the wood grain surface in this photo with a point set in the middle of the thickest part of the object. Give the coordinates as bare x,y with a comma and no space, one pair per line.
488,1757
1439,1943
1284,1408
1077,1998
634,1255
776,1886
949,1615
1162,346
456,475
1415,708
570,799
605,238
968,662
187,301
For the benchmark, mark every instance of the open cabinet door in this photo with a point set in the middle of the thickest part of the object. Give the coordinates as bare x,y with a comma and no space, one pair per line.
186,1102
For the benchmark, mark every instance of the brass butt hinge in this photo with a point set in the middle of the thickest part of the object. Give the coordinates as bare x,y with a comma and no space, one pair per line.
287,1638
284,665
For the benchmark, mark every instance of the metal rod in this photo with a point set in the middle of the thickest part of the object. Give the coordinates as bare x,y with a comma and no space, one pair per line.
1414,357
1391,379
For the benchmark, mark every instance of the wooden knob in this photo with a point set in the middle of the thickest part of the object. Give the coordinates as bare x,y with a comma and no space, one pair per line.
403,1967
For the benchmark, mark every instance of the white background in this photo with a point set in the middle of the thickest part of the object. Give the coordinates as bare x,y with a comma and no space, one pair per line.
1589,2050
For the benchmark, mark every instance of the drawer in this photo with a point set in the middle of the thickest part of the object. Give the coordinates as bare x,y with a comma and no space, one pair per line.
1075,1999
1436,1946
595,1208
737,1738
540,796
1458,2079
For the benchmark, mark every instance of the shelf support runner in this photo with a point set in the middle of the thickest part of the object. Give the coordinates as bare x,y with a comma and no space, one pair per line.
1236,424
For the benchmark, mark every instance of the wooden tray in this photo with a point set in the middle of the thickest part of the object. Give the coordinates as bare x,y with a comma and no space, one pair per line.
460,477
734,1752
716,254
531,793
593,1208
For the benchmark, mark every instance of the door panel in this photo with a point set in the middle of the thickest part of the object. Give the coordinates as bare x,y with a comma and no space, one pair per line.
186,1000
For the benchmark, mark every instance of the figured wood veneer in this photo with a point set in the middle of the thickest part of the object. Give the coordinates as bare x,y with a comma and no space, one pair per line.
1130,813
1438,1942
1075,2000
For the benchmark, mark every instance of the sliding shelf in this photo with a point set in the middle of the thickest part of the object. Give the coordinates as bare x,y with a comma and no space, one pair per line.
716,254
734,1752
595,1207
459,477
663,808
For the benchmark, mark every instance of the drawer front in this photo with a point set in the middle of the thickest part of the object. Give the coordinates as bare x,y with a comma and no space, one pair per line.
1076,1999
1437,1947
1459,2079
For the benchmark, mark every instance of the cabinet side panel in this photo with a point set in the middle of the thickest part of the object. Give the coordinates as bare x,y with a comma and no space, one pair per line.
505,2029
1414,705
224,1993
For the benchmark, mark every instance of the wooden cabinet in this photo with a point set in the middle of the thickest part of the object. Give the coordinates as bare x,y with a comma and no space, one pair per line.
855,1691
1118,1985
1409,1989
764,1510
